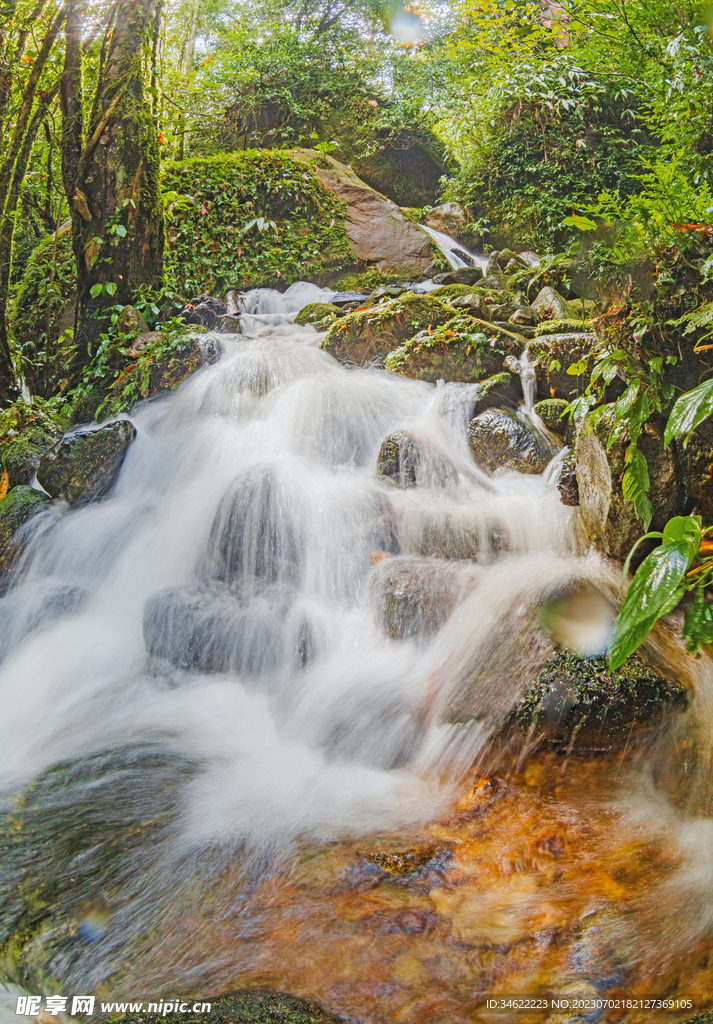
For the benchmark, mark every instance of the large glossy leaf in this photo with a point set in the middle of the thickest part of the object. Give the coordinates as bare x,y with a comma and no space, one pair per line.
698,626
654,591
687,530
690,410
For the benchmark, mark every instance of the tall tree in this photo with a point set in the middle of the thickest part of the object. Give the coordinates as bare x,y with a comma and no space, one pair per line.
111,176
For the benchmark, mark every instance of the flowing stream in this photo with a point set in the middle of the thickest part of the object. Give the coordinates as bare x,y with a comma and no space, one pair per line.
204,653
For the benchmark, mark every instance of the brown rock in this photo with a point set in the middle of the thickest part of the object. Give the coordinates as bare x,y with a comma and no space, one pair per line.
377,231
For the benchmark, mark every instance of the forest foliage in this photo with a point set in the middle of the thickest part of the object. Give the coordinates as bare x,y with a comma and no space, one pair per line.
580,130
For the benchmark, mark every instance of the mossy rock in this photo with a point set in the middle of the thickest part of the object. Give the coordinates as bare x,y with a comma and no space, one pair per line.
465,349
411,462
563,327
368,336
315,312
20,505
611,522
255,1007
84,465
500,439
452,291
579,701
26,433
552,355
415,596
550,412
70,841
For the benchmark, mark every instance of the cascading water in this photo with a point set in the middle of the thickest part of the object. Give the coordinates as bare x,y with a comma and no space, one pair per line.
207,648
457,255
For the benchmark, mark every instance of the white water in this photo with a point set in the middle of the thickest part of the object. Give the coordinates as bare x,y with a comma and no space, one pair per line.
252,492
287,749
451,249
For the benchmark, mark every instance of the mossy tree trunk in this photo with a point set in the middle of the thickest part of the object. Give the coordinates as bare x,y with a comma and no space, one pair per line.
112,177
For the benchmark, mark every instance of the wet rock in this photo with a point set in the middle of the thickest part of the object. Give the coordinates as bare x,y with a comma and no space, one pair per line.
414,596
377,231
448,218
341,299
317,311
132,322
553,306
524,316
229,323
550,411
467,349
369,335
71,841
84,464
25,435
610,521
578,702
463,275
54,602
567,484
159,367
696,462
217,628
501,390
20,505
473,303
254,534
552,355
203,311
410,461
495,282
500,439
443,534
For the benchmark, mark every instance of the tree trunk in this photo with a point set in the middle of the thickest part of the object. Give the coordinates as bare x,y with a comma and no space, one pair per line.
112,182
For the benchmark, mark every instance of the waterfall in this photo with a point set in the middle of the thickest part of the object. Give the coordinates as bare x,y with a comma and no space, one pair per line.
226,606
457,255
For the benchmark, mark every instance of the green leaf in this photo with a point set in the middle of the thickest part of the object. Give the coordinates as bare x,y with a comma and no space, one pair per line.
690,410
698,625
96,289
654,591
577,368
624,404
685,530
635,484
110,288
638,415
579,221
120,230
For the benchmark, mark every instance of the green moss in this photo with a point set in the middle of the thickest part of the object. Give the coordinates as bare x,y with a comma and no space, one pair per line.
210,201
450,291
370,334
17,508
562,327
258,1007
26,432
550,412
44,307
316,312
573,695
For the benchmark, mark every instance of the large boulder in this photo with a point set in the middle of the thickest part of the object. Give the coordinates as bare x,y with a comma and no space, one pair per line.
369,335
610,521
552,355
213,627
318,313
696,462
449,218
578,702
415,596
16,510
502,439
377,231
463,349
553,306
84,464
410,461
25,435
